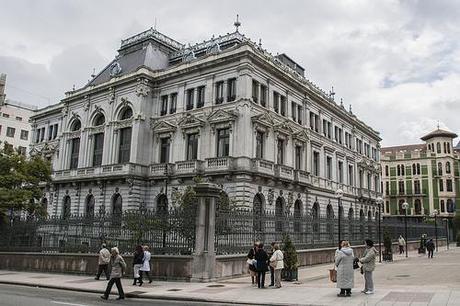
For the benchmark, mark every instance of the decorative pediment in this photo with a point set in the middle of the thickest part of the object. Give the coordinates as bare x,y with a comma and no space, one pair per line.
264,119
160,127
220,116
190,121
329,149
120,124
284,128
301,136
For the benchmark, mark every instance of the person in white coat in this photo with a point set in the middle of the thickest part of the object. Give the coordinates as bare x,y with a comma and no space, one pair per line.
345,274
146,265
277,263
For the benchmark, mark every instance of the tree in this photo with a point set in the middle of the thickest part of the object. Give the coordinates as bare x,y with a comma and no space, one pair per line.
21,179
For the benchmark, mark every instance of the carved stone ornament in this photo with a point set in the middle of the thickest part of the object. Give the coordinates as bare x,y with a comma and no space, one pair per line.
188,56
130,183
213,48
271,196
290,201
142,88
87,104
115,69
175,196
65,109
111,95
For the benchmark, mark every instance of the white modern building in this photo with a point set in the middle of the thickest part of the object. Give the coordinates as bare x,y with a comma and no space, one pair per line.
15,128
162,113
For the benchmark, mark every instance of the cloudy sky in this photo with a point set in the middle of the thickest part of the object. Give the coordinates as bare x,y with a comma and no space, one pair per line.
396,62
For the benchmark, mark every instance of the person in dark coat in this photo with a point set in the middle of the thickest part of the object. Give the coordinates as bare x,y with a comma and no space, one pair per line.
430,248
118,267
272,270
262,265
251,266
138,262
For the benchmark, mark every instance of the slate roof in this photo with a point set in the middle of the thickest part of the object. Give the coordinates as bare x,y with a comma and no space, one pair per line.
395,149
439,133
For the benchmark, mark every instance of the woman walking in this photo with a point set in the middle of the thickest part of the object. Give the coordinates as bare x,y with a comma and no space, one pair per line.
261,265
368,261
277,263
145,265
138,262
345,274
251,263
118,267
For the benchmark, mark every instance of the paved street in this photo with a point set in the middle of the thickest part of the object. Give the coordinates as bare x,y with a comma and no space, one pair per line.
413,281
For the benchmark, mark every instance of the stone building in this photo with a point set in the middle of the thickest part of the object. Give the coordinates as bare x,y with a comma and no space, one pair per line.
162,113
14,122
423,175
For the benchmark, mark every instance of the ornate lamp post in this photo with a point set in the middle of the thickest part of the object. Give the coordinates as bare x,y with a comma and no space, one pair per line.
405,206
447,232
339,194
379,203
435,215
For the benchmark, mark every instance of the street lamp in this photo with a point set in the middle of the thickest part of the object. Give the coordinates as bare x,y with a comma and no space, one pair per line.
447,232
379,203
435,215
405,206
339,194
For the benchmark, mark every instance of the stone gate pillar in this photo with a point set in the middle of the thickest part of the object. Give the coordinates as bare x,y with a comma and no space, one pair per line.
204,257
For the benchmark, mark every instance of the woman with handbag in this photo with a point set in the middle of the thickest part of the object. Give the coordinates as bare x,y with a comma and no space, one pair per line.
344,259
251,263
277,263
138,262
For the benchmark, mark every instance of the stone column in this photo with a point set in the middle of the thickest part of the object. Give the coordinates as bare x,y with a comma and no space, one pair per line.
204,257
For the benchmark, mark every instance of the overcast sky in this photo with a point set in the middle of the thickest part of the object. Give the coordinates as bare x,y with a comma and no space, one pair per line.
396,62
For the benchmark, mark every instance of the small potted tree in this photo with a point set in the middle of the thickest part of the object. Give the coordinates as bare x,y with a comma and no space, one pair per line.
388,245
291,261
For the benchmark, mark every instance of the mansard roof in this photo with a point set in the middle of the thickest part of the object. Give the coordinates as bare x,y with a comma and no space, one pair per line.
439,133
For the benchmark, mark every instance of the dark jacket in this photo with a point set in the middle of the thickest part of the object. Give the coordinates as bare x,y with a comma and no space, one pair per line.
138,258
252,253
262,260
430,245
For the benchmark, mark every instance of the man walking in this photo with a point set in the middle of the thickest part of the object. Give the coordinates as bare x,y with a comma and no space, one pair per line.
103,262
402,244
430,248
118,267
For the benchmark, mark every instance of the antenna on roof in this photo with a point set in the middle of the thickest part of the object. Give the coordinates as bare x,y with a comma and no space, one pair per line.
237,23
94,73
332,93
438,124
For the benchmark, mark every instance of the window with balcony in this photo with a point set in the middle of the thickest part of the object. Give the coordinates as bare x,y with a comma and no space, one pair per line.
255,91
173,103
316,163
263,95
449,185
192,146
189,100
125,145
219,92
280,151
376,183
283,106
298,157
24,134
329,167
260,138
10,131
340,171
441,185
98,149
223,142
200,97
74,152
164,105
164,150
276,102
231,90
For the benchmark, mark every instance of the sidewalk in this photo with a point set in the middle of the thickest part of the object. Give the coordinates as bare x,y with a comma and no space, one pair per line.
313,287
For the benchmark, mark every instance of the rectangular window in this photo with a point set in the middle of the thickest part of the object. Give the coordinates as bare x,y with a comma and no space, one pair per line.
55,131
283,106
417,187
219,92
50,132
125,145
299,114
316,163
441,185
190,94
5,115
164,150
387,188
10,131
24,134
18,118
276,102
449,185
298,157
22,150
255,91
324,127
173,103
329,130
316,123
294,111
350,175
263,95
329,167
164,105
223,142
401,187
74,152
200,98
231,90
42,134
336,134
192,146
260,144
369,186
312,121
443,206
98,149
387,207
340,172
280,152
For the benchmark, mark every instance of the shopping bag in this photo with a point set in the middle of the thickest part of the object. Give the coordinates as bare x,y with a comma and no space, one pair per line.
333,275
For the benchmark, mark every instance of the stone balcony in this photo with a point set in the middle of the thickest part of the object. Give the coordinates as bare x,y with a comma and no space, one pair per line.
263,167
218,164
302,177
188,167
284,172
128,169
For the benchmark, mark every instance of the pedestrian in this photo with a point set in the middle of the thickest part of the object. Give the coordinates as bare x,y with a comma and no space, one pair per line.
118,267
402,244
262,265
430,248
146,265
368,261
251,263
138,262
272,271
277,264
339,247
103,262
344,259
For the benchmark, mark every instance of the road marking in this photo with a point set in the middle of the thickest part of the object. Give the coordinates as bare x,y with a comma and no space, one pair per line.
71,304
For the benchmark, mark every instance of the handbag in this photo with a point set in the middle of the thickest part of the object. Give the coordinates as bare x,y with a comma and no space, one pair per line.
273,264
333,275
355,263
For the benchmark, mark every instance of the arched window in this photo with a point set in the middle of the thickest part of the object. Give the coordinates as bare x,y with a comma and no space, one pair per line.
448,147
126,113
89,205
279,214
99,120
124,150
117,204
439,168
402,170
258,212
330,222
398,170
418,169
297,217
98,141
75,126
447,167
414,169
66,207
445,147
438,147
75,144
418,207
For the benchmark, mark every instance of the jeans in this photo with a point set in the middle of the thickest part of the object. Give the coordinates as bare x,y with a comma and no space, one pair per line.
277,275
117,282
261,279
105,269
368,281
